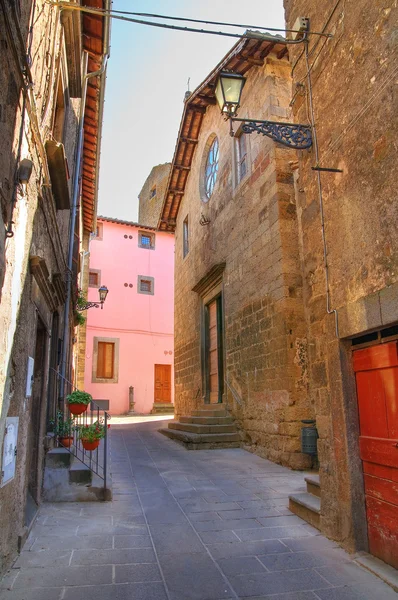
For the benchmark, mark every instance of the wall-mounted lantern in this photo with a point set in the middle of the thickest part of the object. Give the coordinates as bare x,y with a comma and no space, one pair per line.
103,292
228,93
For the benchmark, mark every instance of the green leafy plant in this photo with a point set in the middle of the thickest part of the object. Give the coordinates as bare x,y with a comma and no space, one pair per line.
63,426
78,397
79,318
80,299
93,432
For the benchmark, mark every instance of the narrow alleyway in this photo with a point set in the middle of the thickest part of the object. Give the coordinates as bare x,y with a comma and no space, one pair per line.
183,525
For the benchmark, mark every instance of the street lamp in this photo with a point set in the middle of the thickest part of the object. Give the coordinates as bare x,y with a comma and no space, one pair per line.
103,292
228,93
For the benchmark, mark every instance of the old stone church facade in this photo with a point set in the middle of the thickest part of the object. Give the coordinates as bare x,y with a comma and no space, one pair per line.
285,279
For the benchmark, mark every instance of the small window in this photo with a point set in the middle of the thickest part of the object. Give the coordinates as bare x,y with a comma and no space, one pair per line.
185,237
99,231
241,157
152,193
211,168
61,105
146,240
106,360
94,278
145,285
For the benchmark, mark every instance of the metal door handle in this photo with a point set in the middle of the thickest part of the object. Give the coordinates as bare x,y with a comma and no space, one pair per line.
395,445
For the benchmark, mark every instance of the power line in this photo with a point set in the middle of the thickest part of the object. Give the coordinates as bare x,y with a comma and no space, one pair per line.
257,27
361,112
103,13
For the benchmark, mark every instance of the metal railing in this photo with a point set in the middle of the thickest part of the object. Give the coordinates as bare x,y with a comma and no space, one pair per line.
96,460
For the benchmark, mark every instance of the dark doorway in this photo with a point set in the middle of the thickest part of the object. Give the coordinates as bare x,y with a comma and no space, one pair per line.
52,396
34,439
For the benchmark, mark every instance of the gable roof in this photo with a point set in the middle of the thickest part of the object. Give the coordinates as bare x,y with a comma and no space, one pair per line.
251,50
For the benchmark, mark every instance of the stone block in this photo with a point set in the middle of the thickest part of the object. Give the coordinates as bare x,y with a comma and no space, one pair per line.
58,458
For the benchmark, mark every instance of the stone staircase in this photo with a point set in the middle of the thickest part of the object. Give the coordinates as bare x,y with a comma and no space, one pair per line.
160,408
307,505
208,428
67,479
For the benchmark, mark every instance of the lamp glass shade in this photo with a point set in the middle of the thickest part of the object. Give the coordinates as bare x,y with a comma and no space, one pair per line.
228,91
103,292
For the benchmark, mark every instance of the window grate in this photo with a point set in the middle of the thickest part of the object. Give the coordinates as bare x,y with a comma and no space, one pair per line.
93,279
146,285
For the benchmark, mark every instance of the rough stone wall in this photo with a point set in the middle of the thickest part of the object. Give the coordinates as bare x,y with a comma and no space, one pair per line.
150,207
253,230
355,97
80,348
38,230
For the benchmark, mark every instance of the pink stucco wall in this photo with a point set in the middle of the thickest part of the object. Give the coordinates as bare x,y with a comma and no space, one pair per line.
144,324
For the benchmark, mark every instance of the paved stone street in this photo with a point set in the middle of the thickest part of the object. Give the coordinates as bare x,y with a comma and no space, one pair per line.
208,525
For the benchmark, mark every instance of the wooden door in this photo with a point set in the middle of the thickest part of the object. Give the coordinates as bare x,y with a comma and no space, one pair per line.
376,372
162,383
214,353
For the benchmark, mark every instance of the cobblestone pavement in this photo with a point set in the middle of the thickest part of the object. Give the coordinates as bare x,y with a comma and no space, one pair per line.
207,525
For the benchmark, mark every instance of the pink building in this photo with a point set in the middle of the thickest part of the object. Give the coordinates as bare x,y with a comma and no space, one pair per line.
130,342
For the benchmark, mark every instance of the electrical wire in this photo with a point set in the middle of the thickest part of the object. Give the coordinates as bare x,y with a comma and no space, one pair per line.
150,15
322,33
329,310
102,13
362,111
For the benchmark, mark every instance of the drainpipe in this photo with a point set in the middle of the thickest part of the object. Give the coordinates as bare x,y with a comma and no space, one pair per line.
76,185
75,198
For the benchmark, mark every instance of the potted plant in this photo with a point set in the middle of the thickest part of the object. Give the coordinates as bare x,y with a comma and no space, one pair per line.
91,435
78,402
63,429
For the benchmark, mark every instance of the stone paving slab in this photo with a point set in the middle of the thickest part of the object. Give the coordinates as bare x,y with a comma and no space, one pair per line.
209,525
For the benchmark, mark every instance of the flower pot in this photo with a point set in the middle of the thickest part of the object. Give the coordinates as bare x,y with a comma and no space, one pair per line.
77,409
90,445
66,442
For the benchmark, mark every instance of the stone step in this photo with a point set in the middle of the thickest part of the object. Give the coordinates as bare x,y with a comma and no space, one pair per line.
217,406
162,408
307,506
313,485
206,441
80,473
209,413
207,420
200,428
58,458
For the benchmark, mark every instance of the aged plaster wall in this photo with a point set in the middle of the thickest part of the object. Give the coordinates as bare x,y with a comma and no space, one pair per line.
143,324
253,230
355,97
38,231
150,207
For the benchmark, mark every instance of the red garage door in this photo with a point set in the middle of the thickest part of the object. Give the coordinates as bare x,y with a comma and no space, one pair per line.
376,372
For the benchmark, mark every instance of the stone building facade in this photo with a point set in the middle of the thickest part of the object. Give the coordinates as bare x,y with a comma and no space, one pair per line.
152,194
41,107
303,261
350,297
243,247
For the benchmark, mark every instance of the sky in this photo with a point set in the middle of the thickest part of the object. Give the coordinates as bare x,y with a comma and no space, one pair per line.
148,71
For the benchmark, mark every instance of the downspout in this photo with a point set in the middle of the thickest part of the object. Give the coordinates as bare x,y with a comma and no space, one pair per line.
75,196
76,192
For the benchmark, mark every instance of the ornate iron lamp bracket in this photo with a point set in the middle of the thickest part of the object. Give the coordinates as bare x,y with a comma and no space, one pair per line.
291,135
88,305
